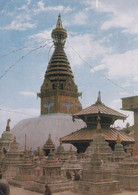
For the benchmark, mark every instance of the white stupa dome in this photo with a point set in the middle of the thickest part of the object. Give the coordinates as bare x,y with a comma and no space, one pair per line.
37,129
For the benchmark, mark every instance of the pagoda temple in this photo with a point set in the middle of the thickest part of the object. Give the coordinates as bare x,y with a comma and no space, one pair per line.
59,93
81,138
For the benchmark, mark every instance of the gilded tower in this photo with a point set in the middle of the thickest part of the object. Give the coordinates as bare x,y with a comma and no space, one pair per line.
59,93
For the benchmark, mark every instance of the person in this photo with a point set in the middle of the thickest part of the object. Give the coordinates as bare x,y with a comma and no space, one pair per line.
47,190
4,186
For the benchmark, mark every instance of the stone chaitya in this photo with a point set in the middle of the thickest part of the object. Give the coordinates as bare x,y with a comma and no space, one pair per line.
59,93
6,139
127,173
72,167
61,154
25,171
99,142
51,175
13,158
97,180
48,146
118,153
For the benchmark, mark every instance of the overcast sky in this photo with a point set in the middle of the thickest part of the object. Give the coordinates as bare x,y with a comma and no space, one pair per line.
102,48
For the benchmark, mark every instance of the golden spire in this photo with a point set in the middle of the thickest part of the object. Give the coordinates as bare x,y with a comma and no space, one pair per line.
118,140
99,99
8,126
59,23
98,123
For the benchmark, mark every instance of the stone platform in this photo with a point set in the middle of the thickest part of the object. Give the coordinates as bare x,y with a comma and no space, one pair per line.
21,191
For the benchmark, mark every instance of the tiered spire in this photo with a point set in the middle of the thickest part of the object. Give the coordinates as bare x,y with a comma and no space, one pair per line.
59,79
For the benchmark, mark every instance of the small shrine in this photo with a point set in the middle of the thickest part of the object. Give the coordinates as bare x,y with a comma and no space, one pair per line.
25,171
118,153
10,163
61,154
127,173
99,142
72,167
97,180
6,138
51,175
48,146
81,138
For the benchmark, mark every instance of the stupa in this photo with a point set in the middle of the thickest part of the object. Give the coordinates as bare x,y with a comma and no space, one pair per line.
99,142
127,173
51,175
72,166
10,163
118,153
81,139
61,154
25,171
48,146
97,180
59,99
6,138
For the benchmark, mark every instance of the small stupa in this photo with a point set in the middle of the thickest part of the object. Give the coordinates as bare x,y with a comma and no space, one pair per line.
99,142
51,175
61,154
25,170
97,180
48,146
10,163
6,138
118,153
127,173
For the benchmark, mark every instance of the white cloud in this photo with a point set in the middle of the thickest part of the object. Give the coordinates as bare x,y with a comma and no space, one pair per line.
122,14
80,18
123,65
21,23
42,36
85,46
15,115
42,8
28,93
97,68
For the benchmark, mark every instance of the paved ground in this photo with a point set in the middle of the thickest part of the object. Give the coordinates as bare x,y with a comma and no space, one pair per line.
20,191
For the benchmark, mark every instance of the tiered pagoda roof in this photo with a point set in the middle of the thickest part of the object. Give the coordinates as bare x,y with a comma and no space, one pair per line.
90,115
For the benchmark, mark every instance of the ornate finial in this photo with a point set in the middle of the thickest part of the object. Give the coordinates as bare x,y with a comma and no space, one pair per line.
99,99
118,140
14,140
98,123
8,126
59,23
